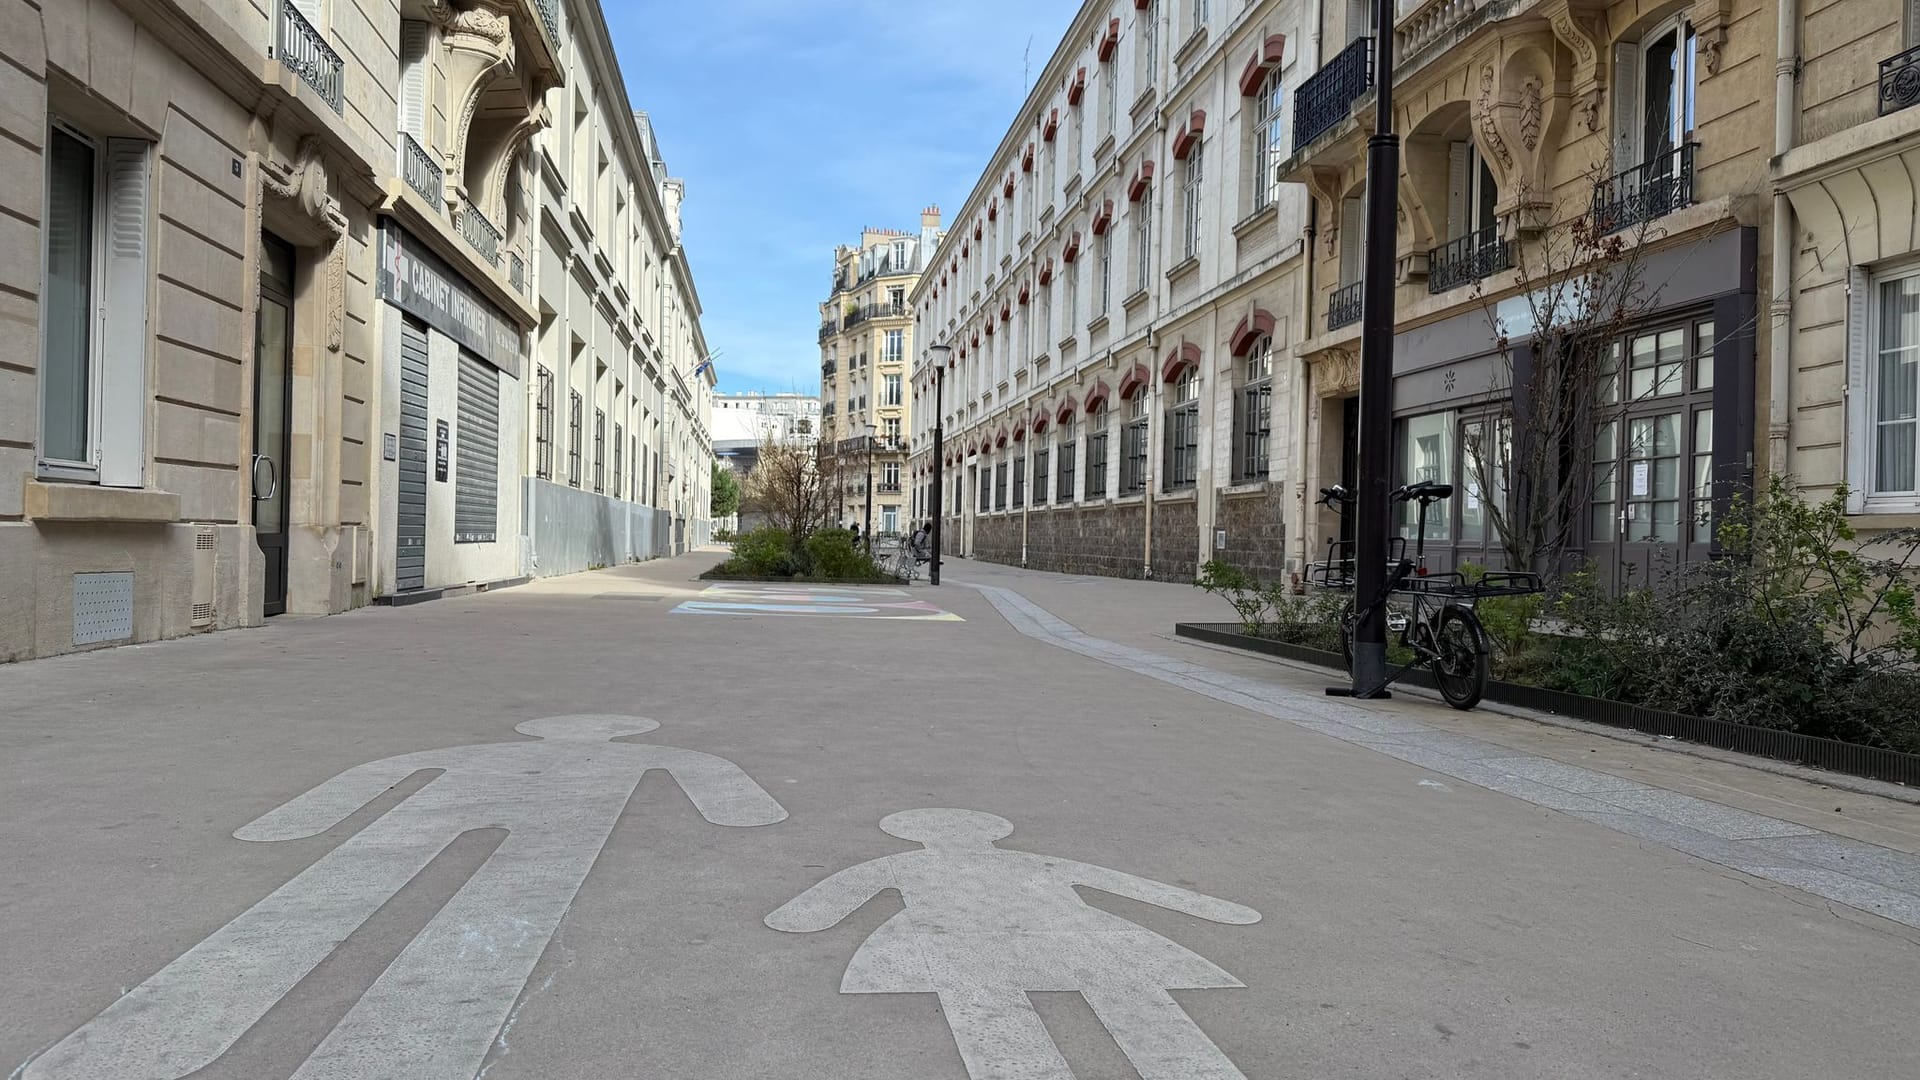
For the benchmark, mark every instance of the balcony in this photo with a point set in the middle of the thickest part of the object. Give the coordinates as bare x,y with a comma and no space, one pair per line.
1327,97
862,313
421,172
305,52
1645,192
828,369
1468,258
517,272
828,329
481,234
885,488
1343,309
1900,81
550,16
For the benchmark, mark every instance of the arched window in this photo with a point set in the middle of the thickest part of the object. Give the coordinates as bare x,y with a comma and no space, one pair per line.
1182,449
1268,149
1133,445
1253,415
1097,450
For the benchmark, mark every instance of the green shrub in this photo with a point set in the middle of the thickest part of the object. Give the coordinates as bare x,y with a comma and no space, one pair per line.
1241,592
833,555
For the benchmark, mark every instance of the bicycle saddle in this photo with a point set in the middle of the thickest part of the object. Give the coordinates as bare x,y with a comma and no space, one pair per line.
1425,491
1334,494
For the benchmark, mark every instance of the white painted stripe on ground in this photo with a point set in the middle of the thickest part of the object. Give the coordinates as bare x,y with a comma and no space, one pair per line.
1877,880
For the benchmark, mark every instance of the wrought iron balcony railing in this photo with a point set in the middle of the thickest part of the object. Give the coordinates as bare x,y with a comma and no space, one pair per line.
517,272
828,329
829,369
1343,309
857,315
1327,97
1645,192
421,172
1900,81
305,52
550,15
481,234
1468,258
885,488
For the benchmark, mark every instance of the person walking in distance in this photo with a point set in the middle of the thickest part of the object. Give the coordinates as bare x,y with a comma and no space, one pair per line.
983,927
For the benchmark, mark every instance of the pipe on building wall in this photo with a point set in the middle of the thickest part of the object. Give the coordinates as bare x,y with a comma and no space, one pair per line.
1786,71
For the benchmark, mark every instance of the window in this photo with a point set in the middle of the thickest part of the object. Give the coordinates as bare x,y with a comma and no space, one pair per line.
1353,238
897,300
892,389
896,347
1268,149
1198,17
93,385
1103,255
986,490
599,451
1000,486
1070,287
619,459
1046,315
1149,43
890,475
1254,420
890,518
1471,191
1655,112
543,426
1040,473
899,259
1097,452
573,437
1063,487
1190,199
1142,215
1133,445
1653,449
1046,171
1425,456
890,427
1893,389
1020,478
413,79
1109,98
1075,148
1484,460
1182,449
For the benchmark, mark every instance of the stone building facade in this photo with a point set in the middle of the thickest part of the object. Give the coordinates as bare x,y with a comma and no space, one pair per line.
269,276
1523,122
866,349
1116,302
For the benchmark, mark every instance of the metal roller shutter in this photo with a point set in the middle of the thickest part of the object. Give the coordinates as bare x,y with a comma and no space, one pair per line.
410,529
476,478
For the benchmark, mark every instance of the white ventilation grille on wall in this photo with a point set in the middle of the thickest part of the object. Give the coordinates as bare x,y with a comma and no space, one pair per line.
102,607
204,567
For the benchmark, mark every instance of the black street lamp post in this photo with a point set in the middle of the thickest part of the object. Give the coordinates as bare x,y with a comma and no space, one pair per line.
939,452
1376,376
867,532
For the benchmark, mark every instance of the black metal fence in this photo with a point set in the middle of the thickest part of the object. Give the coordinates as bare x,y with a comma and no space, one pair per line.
1645,192
1468,258
1871,762
1899,81
1344,307
1327,97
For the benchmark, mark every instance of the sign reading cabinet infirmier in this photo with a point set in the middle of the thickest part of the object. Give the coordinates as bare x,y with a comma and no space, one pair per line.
419,283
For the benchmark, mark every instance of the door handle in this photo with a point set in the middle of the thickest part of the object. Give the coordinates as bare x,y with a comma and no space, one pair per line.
273,475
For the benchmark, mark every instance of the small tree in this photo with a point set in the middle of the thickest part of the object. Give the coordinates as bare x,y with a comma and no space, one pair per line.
794,486
726,492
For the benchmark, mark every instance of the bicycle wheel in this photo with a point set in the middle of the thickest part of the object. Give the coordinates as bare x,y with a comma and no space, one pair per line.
1460,664
1348,623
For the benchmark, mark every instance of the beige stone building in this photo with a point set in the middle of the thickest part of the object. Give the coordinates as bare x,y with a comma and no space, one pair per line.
866,351
269,286
1841,400
1648,122
1120,298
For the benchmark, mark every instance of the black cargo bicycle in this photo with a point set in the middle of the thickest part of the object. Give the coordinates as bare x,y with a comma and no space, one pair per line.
1438,621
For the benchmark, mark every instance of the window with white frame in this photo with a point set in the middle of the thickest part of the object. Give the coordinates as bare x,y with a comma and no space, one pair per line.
94,309
1077,145
1268,149
1471,191
1883,392
1182,436
1109,98
1142,217
1197,16
890,518
892,391
1070,288
1046,170
896,346
1253,419
1190,200
1659,75
1046,315
1133,445
890,476
1103,266
1148,27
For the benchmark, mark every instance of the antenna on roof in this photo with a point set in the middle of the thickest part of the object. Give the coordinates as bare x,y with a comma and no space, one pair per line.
1026,64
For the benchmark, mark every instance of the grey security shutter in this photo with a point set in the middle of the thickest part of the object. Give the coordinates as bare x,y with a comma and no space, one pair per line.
1459,196
123,404
1359,19
1626,105
410,521
1859,428
476,480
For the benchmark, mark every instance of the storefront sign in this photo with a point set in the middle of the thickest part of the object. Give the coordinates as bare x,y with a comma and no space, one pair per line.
421,284
442,449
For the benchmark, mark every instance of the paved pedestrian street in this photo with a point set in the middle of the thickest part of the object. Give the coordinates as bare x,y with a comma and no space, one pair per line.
1004,828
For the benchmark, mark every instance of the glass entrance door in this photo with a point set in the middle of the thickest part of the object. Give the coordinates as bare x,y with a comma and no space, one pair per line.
272,400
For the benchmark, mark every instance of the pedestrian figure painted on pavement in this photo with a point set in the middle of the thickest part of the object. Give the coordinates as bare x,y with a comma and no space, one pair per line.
433,1013
984,927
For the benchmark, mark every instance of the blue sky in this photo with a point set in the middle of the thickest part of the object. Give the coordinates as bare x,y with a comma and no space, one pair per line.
796,122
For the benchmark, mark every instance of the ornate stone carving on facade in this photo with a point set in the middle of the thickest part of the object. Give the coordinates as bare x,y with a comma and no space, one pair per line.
1327,186
1710,19
1530,113
1583,30
478,46
1523,102
1336,371
1491,144
304,183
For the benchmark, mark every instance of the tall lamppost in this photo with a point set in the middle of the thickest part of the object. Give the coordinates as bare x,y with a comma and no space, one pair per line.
940,354
1376,375
867,532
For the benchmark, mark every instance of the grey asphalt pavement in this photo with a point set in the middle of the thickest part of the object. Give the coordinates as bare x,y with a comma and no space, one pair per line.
1437,895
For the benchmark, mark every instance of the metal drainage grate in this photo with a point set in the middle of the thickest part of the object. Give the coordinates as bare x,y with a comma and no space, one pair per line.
102,607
